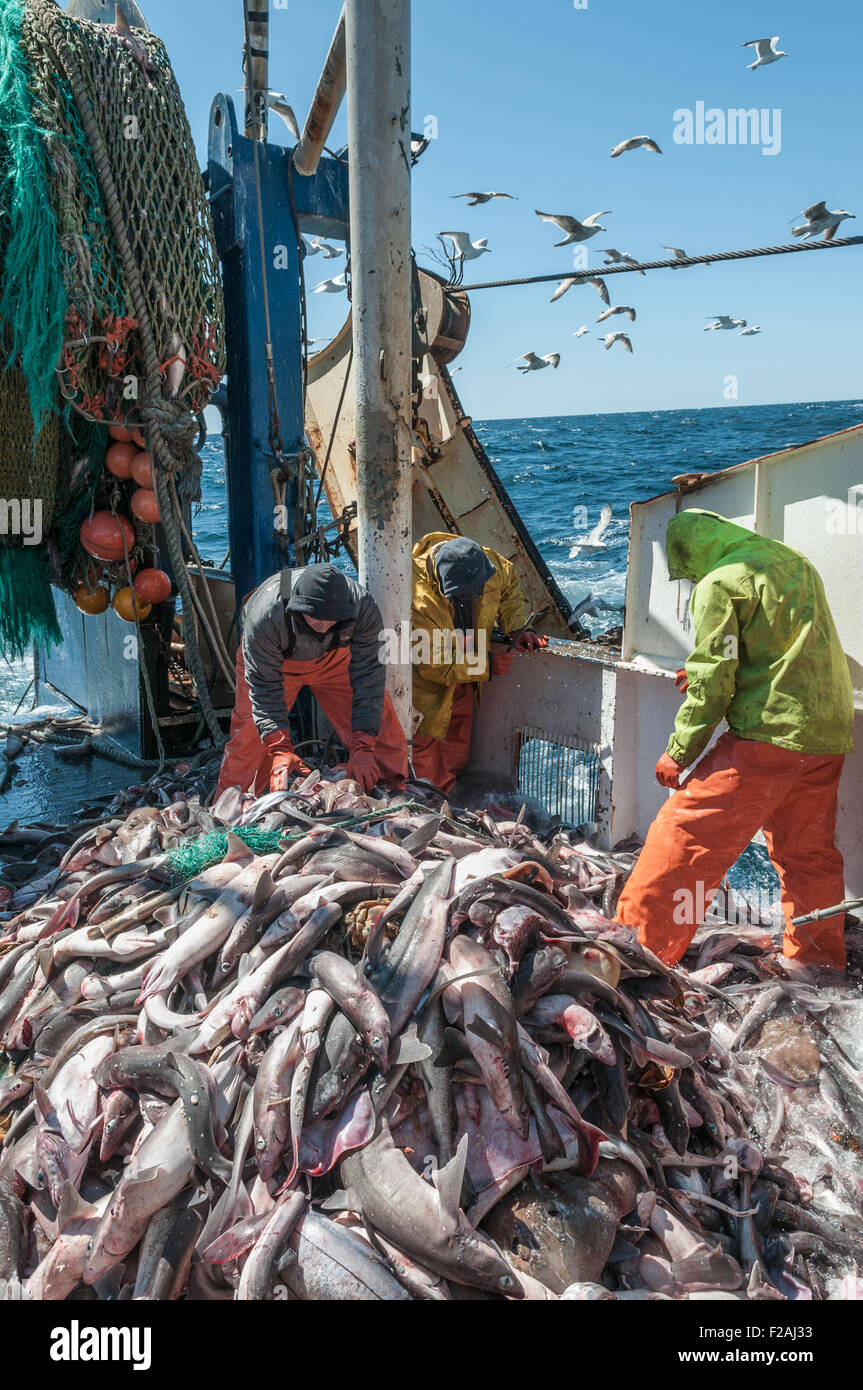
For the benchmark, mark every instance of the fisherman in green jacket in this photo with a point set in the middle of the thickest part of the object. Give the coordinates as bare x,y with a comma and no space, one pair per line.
768,660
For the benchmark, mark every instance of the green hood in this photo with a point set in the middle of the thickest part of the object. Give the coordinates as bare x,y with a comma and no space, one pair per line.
698,542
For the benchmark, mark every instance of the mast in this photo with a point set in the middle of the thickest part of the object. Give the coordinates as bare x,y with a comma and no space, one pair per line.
377,36
328,97
256,67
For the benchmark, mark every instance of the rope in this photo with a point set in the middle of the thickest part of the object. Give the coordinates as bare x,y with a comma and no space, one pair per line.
603,271
142,658
163,417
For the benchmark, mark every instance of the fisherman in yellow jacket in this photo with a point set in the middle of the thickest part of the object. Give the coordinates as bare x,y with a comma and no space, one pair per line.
461,591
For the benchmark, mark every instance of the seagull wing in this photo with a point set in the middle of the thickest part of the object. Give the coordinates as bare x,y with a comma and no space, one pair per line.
652,145
566,224
816,211
286,112
600,286
464,195
562,288
626,343
606,314
481,244
591,220
499,195
552,358
461,240
602,525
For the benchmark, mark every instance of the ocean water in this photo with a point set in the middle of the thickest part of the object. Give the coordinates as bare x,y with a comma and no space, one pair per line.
553,465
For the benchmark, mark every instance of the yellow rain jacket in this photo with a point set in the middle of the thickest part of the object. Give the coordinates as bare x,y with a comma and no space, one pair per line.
767,656
502,603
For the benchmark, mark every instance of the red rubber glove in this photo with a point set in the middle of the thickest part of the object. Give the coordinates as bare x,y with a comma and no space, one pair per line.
362,764
501,660
530,641
668,771
286,763
681,680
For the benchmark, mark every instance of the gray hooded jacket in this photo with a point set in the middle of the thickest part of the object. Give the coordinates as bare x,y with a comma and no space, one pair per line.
274,632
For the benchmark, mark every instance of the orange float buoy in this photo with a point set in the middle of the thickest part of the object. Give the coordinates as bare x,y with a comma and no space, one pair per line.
120,458
103,534
92,601
139,439
152,586
142,469
127,606
120,433
144,506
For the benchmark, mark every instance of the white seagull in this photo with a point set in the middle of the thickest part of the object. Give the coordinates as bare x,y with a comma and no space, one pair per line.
677,252
590,606
593,540
750,332
723,321
330,252
575,230
464,248
567,284
617,309
765,51
532,363
580,332
621,258
476,198
334,286
611,338
635,142
278,102
820,222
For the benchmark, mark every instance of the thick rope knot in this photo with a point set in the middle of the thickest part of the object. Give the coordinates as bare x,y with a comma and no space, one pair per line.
176,422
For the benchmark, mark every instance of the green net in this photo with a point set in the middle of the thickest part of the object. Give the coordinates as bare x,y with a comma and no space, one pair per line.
196,855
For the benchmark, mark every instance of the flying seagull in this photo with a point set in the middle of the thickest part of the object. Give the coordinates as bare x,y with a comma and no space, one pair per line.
580,332
723,321
567,284
480,197
635,142
750,332
593,540
575,230
590,606
532,363
611,338
765,51
330,252
617,309
621,258
820,222
677,252
334,286
463,248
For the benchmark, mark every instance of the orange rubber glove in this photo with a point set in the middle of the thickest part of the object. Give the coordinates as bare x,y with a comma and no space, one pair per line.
530,641
668,771
286,763
681,680
362,765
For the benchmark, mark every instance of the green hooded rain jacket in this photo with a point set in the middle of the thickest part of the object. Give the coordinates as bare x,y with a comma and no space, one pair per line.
767,656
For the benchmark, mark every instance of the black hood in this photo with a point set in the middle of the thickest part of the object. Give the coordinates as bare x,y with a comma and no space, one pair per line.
323,592
463,568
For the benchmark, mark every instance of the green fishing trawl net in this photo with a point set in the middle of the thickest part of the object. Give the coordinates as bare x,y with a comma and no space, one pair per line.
33,300
196,855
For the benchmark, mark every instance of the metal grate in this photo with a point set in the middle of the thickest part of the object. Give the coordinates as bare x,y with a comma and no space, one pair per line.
560,771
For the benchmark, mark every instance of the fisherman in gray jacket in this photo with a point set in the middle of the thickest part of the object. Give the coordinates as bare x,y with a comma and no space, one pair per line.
311,627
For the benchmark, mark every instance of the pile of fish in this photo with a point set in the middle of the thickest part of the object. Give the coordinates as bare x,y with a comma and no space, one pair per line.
406,1054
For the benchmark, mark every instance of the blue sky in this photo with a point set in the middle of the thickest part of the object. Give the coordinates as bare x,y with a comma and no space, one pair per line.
529,99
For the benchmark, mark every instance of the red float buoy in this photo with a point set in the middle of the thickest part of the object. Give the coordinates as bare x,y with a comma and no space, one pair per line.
103,534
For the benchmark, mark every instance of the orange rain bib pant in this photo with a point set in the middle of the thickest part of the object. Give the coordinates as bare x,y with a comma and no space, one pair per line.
439,760
742,786
247,763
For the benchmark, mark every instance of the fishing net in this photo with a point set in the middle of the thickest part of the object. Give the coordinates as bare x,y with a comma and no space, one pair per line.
196,855
133,96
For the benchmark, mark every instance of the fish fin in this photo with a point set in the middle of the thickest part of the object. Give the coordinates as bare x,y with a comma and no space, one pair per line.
142,1180
43,1102
341,1201
244,967
453,1049
108,1287
236,849
419,839
481,1029
172,933
73,1208
405,1050
448,1181
263,891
